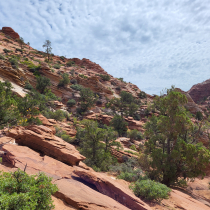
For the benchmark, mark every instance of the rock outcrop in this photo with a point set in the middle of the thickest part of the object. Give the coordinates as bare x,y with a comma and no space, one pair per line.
41,138
10,32
113,189
191,105
200,91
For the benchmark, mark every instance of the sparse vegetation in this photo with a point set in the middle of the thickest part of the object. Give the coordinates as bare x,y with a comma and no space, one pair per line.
21,191
71,102
64,81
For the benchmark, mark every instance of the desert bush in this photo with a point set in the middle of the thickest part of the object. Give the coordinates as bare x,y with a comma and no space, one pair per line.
71,102
135,135
70,63
57,66
119,125
83,76
104,77
28,86
14,62
18,190
58,115
76,87
150,190
42,83
2,57
62,58
142,95
6,50
64,81
199,115
73,81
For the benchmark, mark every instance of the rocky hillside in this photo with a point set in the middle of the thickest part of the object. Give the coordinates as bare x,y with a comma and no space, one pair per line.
52,145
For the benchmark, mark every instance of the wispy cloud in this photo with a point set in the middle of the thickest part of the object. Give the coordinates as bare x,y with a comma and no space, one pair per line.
153,44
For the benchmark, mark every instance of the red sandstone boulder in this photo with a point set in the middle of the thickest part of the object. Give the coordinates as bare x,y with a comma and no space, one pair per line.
10,32
41,138
83,197
113,189
200,91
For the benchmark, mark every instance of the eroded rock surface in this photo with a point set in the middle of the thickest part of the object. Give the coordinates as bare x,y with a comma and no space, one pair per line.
41,138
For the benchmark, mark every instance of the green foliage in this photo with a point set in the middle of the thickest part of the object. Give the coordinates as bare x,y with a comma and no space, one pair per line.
90,137
48,49
126,105
6,50
133,147
2,57
170,145
9,115
83,76
58,115
71,102
87,99
142,95
62,134
28,86
77,87
42,83
62,58
57,66
121,79
119,125
104,77
70,63
32,67
73,81
150,190
199,115
21,191
14,62
64,81
135,135
19,50
21,43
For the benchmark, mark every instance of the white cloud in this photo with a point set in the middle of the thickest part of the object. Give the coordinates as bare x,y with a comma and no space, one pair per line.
152,44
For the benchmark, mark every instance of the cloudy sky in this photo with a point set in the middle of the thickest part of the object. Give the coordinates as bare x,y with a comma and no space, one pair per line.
151,43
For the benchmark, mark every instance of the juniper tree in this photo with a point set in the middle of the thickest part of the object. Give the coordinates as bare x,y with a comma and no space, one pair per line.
48,48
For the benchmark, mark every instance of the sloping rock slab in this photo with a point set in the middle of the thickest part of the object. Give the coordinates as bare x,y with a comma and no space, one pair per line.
74,193
113,189
83,197
41,138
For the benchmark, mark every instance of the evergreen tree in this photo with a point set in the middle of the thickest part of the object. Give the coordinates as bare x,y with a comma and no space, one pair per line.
172,153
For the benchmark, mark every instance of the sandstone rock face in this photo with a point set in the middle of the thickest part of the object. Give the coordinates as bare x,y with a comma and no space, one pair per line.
200,91
82,197
113,189
13,75
191,105
74,193
10,32
41,138
94,84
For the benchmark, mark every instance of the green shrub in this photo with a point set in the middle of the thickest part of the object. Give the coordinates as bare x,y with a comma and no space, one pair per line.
18,190
133,147
150,190
28,86
57,66
62,58
42,83
64,81
83,76
130,176
14,62
70,63
104,77
142,95
58,115
18,49
6,50
119,125
73,81
135,135
71,102
62,134
199,115
2,57
76,87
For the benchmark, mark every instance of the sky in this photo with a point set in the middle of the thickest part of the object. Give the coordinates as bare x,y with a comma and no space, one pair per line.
151,43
